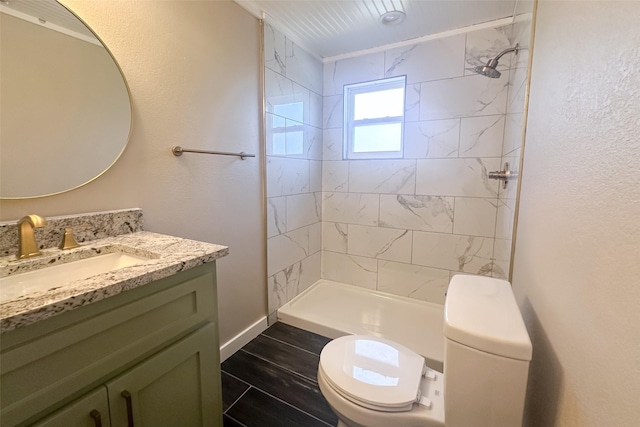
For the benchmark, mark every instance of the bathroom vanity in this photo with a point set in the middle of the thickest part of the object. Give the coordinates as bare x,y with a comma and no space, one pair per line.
134,346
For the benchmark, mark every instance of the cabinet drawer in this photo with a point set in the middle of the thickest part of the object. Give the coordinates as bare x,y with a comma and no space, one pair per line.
80,349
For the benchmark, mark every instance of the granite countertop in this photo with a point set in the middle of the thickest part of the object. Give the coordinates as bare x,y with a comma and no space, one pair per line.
168,255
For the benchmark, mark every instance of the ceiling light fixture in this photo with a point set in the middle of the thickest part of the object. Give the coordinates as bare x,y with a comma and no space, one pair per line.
393,17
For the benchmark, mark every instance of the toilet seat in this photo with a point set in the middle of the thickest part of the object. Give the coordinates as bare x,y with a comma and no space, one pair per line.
373,372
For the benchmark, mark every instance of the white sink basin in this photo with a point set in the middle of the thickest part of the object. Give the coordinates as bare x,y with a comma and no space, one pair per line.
12,287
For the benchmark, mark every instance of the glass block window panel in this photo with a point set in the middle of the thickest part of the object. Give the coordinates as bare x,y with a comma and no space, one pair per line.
374,119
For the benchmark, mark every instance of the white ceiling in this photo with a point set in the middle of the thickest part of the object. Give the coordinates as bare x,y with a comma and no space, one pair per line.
329,28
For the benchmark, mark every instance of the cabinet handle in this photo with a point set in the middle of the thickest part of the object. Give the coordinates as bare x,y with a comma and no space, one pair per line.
96,417
127,398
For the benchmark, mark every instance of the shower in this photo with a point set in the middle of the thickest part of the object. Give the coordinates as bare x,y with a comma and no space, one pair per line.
490,70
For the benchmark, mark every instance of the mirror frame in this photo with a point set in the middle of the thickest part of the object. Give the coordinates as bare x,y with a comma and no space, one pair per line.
128,139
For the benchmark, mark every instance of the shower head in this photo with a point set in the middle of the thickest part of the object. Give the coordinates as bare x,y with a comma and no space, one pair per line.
490,70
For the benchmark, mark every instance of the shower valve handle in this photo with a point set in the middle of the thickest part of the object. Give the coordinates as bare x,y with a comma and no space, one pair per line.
503,175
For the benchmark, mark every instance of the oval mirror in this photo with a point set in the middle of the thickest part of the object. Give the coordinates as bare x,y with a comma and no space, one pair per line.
65,107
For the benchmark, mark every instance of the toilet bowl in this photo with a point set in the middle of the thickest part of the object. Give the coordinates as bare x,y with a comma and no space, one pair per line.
374,382
370,382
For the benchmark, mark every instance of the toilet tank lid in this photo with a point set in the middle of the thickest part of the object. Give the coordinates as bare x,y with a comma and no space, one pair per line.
482,313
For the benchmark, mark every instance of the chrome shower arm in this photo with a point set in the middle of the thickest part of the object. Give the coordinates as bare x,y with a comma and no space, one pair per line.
514,49
490,70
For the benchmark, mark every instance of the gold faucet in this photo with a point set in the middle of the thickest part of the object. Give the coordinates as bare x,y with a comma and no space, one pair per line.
27,246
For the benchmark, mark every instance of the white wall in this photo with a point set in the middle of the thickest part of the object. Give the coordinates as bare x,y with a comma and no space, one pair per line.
193,71
577,258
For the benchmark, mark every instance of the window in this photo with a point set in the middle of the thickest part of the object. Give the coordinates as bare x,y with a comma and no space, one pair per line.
374,119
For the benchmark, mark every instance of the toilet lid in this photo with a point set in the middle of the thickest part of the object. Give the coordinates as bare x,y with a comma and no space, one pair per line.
373,372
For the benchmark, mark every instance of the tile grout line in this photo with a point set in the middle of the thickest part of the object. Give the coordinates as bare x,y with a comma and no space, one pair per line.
280,366
289,344
250,385
240,397
294,407
268,394
233,376
230,417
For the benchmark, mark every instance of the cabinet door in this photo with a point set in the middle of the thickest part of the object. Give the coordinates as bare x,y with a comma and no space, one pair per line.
180,386
91,410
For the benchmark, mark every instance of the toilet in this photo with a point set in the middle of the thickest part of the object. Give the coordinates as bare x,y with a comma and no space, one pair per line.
374,382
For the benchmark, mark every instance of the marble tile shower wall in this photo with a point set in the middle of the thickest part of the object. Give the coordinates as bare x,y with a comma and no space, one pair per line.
293,91
511,149
404,226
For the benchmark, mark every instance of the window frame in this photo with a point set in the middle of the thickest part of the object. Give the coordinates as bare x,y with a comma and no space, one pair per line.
350,123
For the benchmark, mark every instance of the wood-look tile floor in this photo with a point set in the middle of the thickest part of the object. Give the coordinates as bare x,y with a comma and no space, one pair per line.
272,381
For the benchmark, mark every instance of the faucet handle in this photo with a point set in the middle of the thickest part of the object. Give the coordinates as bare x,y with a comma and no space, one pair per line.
68,241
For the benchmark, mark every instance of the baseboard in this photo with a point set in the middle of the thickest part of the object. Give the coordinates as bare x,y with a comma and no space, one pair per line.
239,341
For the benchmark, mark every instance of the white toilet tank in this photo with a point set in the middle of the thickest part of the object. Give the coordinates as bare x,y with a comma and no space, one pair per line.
486,356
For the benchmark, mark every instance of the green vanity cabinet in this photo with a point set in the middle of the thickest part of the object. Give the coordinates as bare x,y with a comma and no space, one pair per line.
170,388
90,410
148,355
